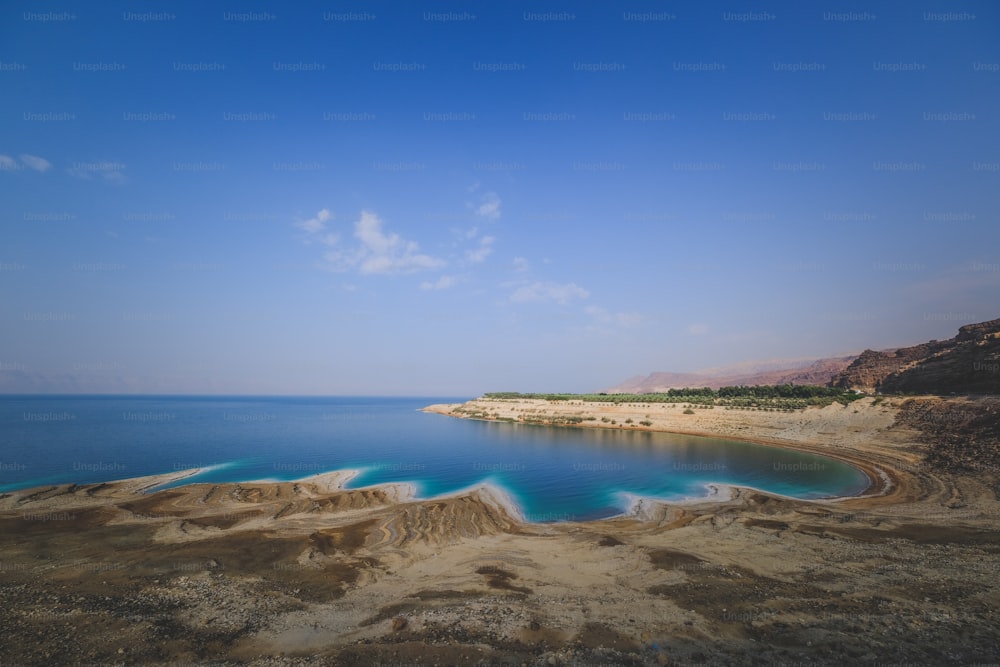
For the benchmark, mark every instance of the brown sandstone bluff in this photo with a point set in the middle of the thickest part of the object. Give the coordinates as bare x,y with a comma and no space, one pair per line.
969,363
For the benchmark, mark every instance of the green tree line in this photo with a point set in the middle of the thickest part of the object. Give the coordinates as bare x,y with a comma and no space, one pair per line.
799,395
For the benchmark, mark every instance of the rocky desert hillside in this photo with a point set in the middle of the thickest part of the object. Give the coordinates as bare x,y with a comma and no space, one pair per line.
814,372
969,363
961,432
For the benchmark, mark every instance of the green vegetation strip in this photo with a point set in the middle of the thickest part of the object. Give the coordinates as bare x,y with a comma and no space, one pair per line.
777,397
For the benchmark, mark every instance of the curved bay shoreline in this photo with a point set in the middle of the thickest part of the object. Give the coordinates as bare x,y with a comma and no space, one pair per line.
885,481
309,572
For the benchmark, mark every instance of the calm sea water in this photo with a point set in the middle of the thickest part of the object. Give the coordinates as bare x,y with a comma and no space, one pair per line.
552,473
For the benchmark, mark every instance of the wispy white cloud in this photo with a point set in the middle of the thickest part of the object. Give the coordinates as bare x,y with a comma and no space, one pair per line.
480,252
33,162
317,223
444,282
548,291
698,329
383,252
488,207
36,163
376,252
521,265
486,210
605,317
110,171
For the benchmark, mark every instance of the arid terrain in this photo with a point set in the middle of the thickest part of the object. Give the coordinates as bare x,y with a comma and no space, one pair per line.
967,363
810,371
308,573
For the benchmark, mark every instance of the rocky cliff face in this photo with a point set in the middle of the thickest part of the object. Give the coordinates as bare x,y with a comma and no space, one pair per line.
969,363
871,368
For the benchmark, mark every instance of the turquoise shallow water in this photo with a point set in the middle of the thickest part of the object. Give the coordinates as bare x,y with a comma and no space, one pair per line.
552,473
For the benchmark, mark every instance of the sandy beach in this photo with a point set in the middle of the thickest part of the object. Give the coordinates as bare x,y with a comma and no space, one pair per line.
846,432
311,573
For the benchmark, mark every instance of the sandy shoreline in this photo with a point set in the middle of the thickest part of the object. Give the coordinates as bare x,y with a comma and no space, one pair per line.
309,572
732,425
881,481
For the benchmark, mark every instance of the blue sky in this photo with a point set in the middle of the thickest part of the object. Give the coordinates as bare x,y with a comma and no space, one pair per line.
451,198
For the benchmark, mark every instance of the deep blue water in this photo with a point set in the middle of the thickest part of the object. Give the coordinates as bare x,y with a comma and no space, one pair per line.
552,473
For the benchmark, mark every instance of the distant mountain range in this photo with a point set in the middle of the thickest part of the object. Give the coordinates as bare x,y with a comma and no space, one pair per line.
802,371
969,363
